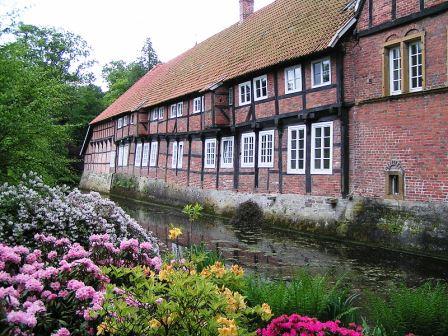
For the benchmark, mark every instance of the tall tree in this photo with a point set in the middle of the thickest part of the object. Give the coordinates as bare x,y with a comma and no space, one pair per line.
120,75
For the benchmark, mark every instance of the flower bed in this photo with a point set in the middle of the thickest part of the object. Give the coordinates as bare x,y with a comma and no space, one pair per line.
59,289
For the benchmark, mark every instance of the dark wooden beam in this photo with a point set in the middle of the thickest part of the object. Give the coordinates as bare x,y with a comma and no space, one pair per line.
370,13
430,11
394,9
217,158
236,157
280,156
189,160
308,177
277,108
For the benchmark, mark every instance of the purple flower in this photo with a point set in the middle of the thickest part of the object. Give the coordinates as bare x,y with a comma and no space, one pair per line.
61,332
85,293
52,255
75,285
34,285
21,317
146,246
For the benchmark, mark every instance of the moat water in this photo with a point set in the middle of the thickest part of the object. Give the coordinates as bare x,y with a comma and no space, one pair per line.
279,253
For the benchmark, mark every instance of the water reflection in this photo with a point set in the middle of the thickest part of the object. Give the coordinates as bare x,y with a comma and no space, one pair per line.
279,253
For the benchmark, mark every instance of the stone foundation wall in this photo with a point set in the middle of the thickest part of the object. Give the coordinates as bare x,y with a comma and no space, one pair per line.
411,226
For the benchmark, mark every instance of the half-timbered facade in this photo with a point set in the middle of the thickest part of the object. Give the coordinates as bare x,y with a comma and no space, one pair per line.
323,98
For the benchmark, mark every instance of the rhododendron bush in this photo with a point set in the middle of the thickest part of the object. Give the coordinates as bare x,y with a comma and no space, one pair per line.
59,288
297,325
32,207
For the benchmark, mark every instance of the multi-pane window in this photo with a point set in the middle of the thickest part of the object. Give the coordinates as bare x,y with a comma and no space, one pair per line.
198,104
112,158
210,153
178,154
322,148
266,149
227,152
138,154
155,114
415,66
260,87
120,123
153,155
230,97
321,72
296,149
395,70
293,79
248,150
125,120
131,117
245,93
161,109
145,157
173,111
180,107
123,153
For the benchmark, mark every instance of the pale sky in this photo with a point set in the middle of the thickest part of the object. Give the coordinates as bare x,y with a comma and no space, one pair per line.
117,29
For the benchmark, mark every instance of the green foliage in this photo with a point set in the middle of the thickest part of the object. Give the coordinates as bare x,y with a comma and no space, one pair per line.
178,301
120,75
193,211
305,294
422,310
202,257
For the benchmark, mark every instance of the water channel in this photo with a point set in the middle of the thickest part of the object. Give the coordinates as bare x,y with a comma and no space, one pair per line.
279,253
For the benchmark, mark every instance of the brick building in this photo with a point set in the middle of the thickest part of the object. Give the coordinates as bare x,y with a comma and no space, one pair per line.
332,99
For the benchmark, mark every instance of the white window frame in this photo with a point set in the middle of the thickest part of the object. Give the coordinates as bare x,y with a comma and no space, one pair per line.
411,65
131,119
197,104
177,154
392,69
321,171
145,155
125,120
120,123
247,164
112,158
294,80
173,111
247,86
125,155
120,156
209,156
161,112
155,114
261,135
153,154
180,109
259,80
232,141
297,170
323,60
174,155
138,154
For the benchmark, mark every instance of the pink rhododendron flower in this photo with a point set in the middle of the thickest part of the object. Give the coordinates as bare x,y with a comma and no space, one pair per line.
61,332
21,317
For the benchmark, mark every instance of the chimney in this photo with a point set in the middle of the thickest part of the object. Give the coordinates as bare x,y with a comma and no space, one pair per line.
246,9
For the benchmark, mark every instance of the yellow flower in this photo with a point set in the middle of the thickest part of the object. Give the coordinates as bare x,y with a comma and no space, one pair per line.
174,233
101,328
237,270
228,327
218,269
266,312
154,324
235,301
206,272
165,272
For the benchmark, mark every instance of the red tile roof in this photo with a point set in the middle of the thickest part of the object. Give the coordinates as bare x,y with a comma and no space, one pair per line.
283,30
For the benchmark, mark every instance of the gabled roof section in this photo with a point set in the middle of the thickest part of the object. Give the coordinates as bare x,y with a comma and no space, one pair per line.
283,30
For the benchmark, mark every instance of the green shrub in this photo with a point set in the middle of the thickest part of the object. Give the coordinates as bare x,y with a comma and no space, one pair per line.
306,294
202,257
422,310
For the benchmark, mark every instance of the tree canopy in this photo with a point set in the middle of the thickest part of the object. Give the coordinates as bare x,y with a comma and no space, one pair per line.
47,98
